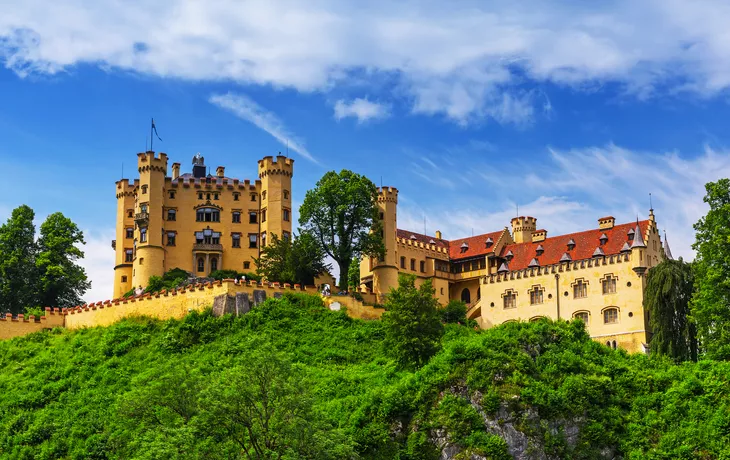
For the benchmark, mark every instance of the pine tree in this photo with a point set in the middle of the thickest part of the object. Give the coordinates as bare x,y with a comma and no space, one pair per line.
667,296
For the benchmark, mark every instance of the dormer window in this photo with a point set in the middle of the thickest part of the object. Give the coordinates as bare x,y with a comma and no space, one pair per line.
489,242
603,239
509,255
571,244
539,250
413,237
631,234
464,247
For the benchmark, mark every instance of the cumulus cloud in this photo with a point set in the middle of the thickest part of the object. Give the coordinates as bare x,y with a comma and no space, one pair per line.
98,262
361,109
576,187
246,109
464,60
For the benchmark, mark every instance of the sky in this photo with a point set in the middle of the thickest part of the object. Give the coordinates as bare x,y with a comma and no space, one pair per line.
566,111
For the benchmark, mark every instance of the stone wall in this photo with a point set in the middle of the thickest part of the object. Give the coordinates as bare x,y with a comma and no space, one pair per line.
15,327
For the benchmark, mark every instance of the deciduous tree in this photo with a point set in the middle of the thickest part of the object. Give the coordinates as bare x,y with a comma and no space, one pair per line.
413,328
341,213
667,295
296,261
710,305
18,275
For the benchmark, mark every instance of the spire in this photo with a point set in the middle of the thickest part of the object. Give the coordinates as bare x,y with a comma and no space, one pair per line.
667,251
638,239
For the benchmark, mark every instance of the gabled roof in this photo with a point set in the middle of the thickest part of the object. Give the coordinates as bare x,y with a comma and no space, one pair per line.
477,245
585,244
425,239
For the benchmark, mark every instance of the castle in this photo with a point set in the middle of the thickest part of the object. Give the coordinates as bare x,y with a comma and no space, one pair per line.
597,275
196,221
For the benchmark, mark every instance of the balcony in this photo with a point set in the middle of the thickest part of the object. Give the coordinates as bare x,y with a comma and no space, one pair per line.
208,247
142,218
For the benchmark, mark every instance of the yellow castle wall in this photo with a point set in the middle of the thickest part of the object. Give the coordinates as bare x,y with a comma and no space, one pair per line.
15,327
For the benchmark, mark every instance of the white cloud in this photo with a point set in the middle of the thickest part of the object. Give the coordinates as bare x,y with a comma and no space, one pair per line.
98,262
245,108
464,60
362,109
576,187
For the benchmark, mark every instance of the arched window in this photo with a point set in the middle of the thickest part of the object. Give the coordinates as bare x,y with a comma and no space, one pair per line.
207,215
610,315
582,315
214,264
614,344
201,264
466,296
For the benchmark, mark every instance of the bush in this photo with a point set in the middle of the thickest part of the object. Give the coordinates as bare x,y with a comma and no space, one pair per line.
454,312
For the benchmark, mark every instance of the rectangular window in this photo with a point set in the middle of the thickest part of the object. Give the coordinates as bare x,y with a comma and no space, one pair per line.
286,194
286,215
510,300
263,215
252,217
130,213
423,266
215,196
129,255
609,285
171,239
142,235
171,194
580,290
171,214
236,241
253,197
236,217
263,239
413,264
252,240
246,265
285,235
200,197
130,232
124,279
207,215
236,196
610,315
144,190
402,262
536,296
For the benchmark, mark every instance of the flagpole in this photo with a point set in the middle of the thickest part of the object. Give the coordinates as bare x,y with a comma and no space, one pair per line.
152,124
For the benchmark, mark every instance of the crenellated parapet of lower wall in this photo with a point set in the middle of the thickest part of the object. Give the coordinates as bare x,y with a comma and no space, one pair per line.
16,326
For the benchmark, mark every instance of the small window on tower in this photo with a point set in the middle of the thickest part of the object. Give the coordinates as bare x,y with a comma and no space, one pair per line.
285,235
252,217
207,196
286,215
253,197
128,255
142,235
253,240
124,279
171,239
171,194
236,196
130,213
236,241
200,195
286,194
263,215
171,214
129,232
236,217
144,190
246,265
263,195
215,196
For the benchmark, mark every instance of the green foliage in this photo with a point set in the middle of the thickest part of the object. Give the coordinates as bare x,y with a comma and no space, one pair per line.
35,311
341,213
353,275
43,272
454,312
172,279
149,389
666,298
233,274
711,298
296,261
413,328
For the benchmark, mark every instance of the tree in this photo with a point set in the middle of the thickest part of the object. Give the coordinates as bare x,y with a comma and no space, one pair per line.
454,312
61,281
18,276
667,296
296,261
353,275
341,212
412,322
711,300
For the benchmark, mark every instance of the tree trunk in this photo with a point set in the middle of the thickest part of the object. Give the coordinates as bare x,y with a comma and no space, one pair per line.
344,270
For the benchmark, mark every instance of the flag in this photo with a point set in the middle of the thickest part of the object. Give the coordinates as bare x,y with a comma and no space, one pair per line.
154,128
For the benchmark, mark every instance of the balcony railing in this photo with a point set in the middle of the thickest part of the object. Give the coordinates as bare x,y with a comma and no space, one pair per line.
208,247
142,217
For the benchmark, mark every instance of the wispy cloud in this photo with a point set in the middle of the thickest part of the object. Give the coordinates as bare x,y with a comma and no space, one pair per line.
245,108
465,62
361,109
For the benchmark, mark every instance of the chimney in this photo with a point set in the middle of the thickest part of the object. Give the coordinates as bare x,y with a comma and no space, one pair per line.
175,170
539,235
219,171
438,235
604,223
522,229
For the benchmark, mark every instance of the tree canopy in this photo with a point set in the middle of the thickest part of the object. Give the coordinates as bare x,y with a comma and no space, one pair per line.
293,261
666,297
44,272
341,213
711,299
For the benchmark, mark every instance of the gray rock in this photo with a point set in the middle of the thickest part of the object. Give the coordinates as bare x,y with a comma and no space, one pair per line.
278,295
243,304
259,296
223,304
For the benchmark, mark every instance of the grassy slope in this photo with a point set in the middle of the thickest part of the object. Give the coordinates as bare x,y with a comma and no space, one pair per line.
66,394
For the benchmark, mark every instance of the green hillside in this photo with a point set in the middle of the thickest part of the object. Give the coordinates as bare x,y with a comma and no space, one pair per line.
294,380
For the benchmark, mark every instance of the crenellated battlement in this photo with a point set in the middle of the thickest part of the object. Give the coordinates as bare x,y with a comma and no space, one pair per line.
572,266
279,165
125,188
388,194
421,245
146,161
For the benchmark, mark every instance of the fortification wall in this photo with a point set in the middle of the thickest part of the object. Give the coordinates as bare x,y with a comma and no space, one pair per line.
15,327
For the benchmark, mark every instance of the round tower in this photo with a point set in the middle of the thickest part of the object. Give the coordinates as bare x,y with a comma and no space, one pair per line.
275,213
149,256
522,229
385,271
124,243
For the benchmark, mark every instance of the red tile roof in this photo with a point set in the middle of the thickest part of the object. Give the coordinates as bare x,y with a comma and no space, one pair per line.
425,239
586,243
477,245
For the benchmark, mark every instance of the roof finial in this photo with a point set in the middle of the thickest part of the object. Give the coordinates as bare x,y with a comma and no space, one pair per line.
651,207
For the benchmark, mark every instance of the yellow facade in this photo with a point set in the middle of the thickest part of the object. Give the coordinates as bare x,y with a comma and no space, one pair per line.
196,221
525,275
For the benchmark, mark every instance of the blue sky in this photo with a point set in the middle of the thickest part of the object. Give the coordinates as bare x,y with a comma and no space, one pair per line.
468,108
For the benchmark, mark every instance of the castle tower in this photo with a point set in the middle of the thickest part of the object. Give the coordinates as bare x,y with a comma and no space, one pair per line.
275,212
522,229
385,271
149,226
124,242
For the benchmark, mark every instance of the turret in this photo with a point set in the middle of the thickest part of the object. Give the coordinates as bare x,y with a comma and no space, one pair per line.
175,170
149,254
385,271
124,242
275,203
522,229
